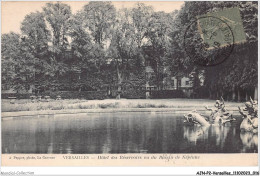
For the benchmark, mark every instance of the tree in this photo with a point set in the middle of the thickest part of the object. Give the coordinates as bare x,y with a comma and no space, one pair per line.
35,43
16,62
226,77
100,47
159,28
123,50
100,16
35,30
10,51
141,15
58,15
80,47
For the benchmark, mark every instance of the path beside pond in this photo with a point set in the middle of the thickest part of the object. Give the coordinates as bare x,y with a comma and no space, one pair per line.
54,107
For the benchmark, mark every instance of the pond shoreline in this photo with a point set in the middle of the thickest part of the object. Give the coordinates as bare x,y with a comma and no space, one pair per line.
176,106
47,113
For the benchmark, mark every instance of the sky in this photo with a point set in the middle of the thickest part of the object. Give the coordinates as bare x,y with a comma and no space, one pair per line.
13,12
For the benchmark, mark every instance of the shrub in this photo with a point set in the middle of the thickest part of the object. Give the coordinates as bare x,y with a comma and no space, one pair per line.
17,95
89,95
156,94
134,93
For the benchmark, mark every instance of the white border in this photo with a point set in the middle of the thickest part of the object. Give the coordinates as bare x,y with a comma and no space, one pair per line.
124,170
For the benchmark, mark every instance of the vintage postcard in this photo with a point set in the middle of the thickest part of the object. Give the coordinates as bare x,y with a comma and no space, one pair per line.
104,83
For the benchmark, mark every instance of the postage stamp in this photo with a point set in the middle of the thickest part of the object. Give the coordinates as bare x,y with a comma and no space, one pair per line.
210,39
229,17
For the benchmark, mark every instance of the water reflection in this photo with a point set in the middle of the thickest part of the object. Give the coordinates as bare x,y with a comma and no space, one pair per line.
120,133
249,140
195,133
216,135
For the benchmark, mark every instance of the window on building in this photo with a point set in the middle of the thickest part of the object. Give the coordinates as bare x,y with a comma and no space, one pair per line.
187,83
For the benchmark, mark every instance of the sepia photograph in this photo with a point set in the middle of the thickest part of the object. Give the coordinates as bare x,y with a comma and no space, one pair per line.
149,77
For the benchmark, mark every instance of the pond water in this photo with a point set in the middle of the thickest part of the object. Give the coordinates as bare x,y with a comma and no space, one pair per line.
135,132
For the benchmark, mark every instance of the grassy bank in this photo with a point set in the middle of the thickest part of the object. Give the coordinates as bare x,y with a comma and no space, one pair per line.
27,105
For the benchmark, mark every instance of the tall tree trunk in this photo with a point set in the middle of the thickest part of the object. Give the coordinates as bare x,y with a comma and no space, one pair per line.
177,82
233,94
221,93
119,81
79,85
247,96
210,94
158,76
119,88
147,92
256,93
238,95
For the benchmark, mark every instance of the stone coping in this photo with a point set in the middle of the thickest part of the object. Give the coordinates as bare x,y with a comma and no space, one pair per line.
176,110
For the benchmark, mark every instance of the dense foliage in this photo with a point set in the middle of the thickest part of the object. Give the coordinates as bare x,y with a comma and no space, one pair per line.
104,48
238,74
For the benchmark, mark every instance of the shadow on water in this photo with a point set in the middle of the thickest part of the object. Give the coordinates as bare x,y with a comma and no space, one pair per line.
121,133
